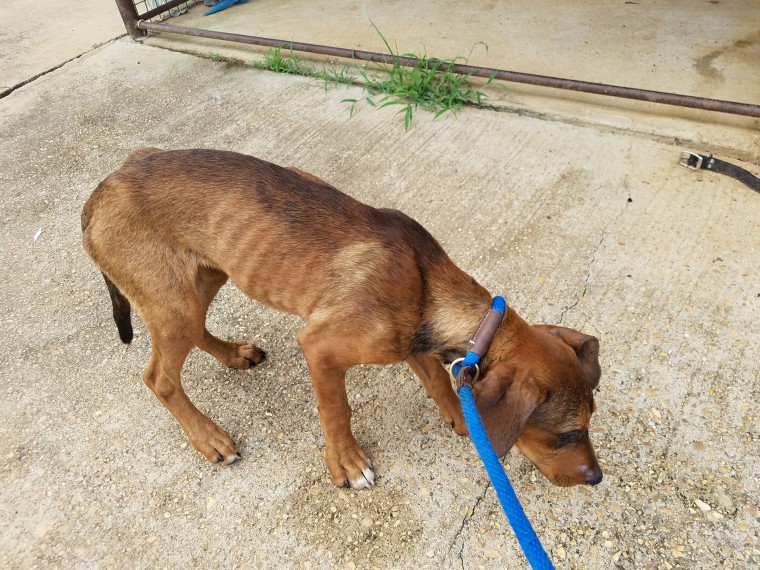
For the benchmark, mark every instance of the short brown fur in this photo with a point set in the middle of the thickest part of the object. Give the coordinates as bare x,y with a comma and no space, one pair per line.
169,228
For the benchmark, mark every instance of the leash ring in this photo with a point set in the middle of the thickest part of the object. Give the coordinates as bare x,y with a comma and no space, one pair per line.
459,361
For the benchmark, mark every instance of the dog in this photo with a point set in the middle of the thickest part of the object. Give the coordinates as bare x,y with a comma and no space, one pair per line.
169,228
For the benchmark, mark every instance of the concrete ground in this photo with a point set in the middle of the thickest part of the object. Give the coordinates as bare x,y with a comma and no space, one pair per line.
572,207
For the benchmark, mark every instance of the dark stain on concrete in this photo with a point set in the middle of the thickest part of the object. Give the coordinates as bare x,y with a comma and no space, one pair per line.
705,64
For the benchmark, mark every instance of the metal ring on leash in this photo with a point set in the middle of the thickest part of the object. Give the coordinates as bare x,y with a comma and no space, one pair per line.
459,361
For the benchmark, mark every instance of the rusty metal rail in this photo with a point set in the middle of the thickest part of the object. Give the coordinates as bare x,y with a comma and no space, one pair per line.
138,25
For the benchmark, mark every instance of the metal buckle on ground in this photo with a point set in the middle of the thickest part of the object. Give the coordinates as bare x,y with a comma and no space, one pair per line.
686,156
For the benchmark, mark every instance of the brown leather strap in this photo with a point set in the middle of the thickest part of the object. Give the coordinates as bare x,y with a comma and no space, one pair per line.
483,336
468,375
480,342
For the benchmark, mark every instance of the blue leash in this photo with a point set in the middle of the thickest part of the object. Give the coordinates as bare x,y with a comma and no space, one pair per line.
526,536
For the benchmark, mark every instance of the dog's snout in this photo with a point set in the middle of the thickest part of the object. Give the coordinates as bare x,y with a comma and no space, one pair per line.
593,474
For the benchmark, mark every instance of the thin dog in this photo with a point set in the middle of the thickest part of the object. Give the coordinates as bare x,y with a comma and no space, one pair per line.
169,228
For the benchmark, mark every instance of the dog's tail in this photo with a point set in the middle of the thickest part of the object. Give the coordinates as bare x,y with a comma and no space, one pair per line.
122,312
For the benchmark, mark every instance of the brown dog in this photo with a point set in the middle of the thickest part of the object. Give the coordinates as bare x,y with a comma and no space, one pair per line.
170,227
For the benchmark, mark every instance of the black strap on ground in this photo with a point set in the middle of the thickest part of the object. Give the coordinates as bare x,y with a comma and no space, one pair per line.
697,161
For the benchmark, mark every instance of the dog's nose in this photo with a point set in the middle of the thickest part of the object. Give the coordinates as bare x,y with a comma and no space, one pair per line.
593,474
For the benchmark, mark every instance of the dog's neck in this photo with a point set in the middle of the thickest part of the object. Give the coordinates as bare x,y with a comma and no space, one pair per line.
455,305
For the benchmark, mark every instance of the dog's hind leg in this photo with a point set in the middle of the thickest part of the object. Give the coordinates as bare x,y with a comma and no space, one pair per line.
233,354
175,328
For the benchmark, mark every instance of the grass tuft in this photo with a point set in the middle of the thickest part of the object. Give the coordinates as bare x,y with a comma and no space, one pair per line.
275,61
429,84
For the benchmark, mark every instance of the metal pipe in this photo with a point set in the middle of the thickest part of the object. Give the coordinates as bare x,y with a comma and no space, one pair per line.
129,16
500,74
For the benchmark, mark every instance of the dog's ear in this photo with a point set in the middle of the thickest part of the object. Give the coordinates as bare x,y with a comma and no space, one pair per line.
505,398
586,348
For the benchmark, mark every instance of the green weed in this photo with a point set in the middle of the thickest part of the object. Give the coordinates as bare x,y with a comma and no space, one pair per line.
429,84
275,61
332,77
214,56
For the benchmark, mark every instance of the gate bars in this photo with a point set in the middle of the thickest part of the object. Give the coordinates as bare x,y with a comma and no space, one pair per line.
137,25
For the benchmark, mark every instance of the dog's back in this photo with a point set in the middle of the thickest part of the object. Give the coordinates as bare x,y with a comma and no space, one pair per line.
260,224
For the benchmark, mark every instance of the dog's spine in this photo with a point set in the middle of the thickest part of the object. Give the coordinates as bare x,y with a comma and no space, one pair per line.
122,312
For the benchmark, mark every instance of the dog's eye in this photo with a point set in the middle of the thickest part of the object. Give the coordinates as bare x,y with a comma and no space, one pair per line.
571,438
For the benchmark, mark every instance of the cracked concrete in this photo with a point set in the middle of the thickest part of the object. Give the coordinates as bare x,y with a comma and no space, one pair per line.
34,45
465,520
573,216
603,236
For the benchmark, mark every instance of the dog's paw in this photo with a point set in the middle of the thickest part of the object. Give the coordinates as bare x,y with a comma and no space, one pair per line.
350,467
246,356
365,480
214,443
457,423
459,427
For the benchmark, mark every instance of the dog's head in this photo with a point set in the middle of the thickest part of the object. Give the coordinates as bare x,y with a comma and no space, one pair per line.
539,396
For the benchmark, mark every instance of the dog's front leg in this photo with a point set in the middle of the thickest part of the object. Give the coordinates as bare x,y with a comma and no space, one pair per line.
437,384
346,460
